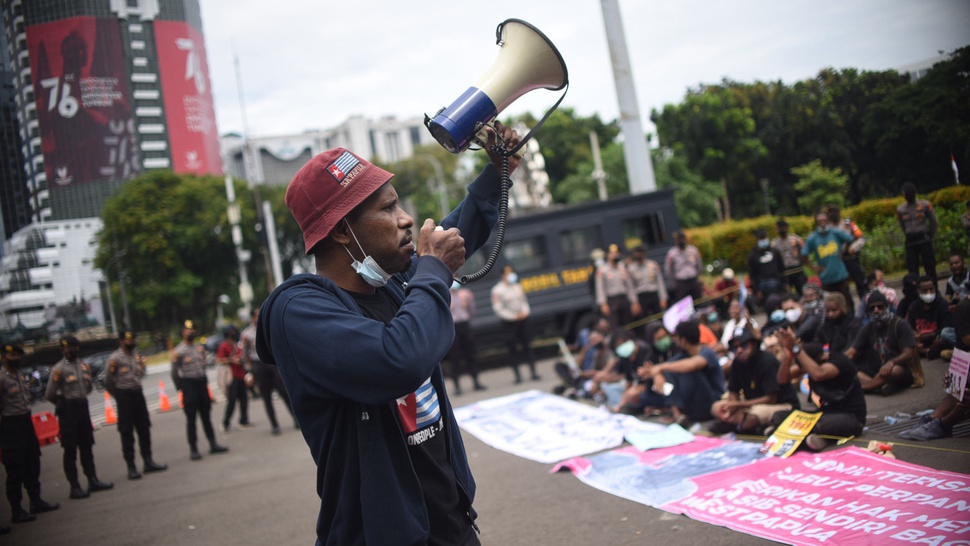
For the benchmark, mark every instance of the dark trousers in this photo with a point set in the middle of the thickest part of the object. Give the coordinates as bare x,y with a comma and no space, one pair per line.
132,417
77,435
649,303
195,396
837,424
856,275
267,380
237,393
21,458
920,247
461,356
687,287
518,340
797,280
620,314
842,287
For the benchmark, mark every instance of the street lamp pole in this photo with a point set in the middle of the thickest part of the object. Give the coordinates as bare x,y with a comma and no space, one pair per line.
764,191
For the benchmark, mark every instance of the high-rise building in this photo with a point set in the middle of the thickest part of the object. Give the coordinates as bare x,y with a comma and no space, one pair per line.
103,90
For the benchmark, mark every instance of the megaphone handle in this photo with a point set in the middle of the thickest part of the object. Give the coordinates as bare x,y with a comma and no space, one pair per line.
481,137
503,215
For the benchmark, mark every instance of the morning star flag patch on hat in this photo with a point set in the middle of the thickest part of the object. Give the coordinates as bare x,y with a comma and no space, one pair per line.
343,166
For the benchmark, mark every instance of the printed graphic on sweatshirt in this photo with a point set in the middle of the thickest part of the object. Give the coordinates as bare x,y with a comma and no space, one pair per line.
420,414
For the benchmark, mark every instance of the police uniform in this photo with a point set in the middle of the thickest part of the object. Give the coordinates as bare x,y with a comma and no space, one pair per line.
68,389
18,442
188,372
123,381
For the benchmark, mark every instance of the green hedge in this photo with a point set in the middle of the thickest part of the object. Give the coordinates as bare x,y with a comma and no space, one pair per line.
732,241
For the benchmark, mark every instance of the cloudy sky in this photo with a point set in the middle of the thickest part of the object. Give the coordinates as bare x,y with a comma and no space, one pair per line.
311,64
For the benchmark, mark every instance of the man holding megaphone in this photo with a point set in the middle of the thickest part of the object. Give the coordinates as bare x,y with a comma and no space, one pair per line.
358,345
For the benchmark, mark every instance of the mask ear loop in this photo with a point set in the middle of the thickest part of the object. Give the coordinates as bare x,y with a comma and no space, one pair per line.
354,235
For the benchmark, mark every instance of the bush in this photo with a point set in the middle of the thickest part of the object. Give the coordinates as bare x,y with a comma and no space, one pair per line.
732,241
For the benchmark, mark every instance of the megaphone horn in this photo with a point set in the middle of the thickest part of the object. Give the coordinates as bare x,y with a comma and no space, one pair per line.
527,60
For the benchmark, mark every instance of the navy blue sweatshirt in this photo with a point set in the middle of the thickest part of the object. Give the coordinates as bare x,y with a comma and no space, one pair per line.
344,372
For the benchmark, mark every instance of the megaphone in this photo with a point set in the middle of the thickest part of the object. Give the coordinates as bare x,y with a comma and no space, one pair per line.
527,60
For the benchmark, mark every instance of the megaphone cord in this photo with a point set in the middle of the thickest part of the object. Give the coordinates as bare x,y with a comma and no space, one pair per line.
503,215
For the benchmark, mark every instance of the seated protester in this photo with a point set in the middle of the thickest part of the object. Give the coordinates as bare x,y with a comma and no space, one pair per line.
620,374
928,318
812,295
712,319
776,321
839,330
804,324
739,319
591,355
885,351
875,281
910,295
835,389
659,345
753,392
950,411
726,290
958,285
694,374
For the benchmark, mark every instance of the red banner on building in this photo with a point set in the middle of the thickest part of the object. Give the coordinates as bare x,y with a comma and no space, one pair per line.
192,135
81,93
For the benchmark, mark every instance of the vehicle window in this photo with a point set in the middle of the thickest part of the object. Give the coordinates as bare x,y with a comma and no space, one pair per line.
526,255
576,244
648,229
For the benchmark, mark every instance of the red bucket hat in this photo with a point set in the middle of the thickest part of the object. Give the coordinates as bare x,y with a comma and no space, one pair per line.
328,187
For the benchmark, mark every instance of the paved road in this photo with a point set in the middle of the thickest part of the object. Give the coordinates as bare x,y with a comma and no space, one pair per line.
262,491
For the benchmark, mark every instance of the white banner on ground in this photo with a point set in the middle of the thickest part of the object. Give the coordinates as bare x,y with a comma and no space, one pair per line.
545,428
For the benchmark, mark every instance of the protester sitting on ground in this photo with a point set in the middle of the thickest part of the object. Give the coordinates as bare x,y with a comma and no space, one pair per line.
635,397
712,320
776,315
929,319
910,295
591,354
958,285
804,324
834,385
738,320
875,280
726,289
629,353
839,329
885,351
951,410
753,392
694,374
812,295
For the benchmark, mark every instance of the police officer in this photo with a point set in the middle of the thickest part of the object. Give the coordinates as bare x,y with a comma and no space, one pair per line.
18,441
68,389
123,380
188,374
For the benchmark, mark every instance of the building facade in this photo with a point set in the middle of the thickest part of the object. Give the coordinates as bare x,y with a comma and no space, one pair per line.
102,90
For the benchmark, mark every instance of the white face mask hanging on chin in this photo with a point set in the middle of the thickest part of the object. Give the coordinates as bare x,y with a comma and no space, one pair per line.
368,269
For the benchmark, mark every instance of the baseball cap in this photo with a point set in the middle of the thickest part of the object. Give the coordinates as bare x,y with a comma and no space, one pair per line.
70,341
126,335
328,187
745,336
728,273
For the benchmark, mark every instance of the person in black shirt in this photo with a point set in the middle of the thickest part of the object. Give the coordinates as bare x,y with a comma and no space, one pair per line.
927,318
950,411
839,330
910,294
766,268
835,389
885,350
753,392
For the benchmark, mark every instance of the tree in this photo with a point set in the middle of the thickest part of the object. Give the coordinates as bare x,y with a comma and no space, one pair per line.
169,235
717,137
818,186
696,198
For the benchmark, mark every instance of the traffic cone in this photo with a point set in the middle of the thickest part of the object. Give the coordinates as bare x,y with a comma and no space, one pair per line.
110,418
181,400
211,396
163,403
